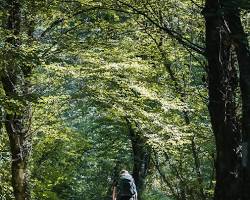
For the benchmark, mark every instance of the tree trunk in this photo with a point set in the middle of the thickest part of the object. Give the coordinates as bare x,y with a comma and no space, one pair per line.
19,145
18,113
222,82
142,154
115,175
240,41
180,90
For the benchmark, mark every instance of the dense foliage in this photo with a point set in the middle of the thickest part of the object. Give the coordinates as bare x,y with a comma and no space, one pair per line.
98,86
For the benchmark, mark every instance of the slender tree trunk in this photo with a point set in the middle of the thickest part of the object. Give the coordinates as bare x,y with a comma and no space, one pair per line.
240,41
165,179
142,155
1,118
222,81
180,90
115,176
197,167
18,113
186,117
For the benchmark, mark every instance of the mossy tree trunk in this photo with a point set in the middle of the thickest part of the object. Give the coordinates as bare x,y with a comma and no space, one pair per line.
17,109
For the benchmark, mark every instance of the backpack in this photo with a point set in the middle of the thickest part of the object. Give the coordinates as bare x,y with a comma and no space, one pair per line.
126,186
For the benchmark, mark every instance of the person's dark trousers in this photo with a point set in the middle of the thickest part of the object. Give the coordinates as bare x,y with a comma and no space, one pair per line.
124,198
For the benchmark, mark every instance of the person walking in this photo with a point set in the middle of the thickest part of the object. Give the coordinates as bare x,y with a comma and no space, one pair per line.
124,188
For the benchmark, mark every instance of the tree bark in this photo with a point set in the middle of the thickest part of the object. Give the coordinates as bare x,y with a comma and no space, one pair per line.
18,114
19,145
222,82
240,41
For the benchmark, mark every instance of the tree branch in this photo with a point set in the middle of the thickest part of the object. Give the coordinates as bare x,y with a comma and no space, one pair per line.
183,41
